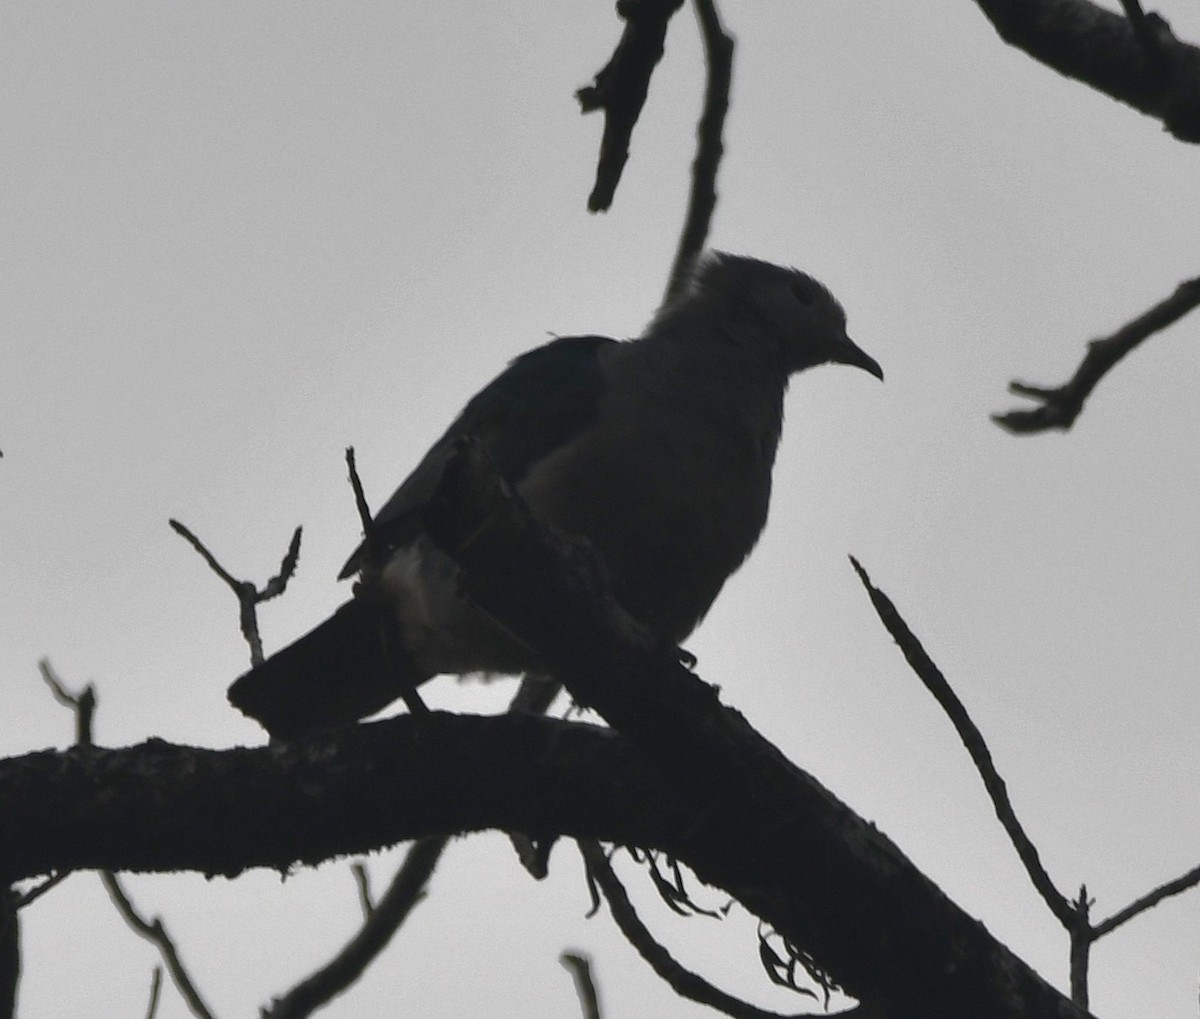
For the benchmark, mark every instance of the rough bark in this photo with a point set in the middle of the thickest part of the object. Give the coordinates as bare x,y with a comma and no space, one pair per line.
1150,70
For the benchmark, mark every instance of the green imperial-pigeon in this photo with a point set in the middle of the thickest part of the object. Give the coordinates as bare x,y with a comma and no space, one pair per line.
657,450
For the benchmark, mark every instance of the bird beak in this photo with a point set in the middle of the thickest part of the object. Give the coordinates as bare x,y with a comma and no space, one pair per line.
849,352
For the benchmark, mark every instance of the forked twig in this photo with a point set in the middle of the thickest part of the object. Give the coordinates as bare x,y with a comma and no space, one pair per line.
249,597
1061,405
154,932
1074,914
972,739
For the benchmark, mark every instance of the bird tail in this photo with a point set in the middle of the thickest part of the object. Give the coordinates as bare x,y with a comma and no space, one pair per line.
349,667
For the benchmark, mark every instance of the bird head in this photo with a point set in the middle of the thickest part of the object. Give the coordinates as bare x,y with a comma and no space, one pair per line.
786,308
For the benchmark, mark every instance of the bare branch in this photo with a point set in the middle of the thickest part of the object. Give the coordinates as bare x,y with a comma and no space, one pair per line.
972,739
683,982
84,706
1148,901
35,893
580,968
1111,53
249,597
154,932
381,920
405,891
371,551
621,86
549,592
1060,406
155,991
702,199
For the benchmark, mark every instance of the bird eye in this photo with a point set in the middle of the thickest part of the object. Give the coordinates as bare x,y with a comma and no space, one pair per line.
805,293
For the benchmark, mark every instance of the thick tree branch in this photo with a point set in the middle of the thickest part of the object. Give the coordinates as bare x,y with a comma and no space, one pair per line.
684,775
162,807
1061,405
1140,63
757,828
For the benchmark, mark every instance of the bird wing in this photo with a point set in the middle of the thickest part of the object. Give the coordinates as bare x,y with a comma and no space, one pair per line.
544,398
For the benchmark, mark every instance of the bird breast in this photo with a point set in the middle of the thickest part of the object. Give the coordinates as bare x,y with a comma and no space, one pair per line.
671,490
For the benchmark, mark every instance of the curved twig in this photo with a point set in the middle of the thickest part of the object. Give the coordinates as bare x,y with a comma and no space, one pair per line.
405,892
154,932
1061,405
682,981
702,199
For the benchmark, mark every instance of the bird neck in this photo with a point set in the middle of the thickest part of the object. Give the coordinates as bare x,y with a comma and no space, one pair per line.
699,337
734,380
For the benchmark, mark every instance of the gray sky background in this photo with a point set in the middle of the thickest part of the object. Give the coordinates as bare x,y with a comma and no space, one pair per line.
238,237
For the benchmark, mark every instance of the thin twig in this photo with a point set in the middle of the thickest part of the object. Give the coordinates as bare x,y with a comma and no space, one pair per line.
972,739
362,881
702,199
1148,901
84,707
406,890
1061,405
373,553
35,893
580,968
682,981
155,990
154,932
249,597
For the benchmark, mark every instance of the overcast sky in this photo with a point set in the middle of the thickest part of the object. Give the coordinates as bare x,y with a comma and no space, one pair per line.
238,237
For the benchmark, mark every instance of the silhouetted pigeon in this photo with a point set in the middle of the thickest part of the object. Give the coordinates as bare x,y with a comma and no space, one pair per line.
658,450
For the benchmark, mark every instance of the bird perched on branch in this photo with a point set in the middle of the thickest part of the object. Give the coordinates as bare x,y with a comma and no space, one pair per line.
657,450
